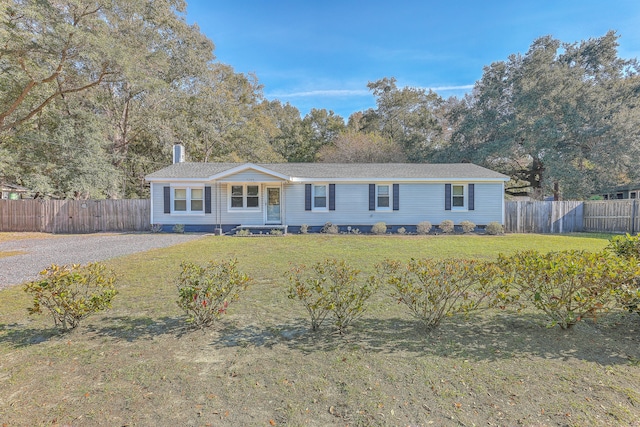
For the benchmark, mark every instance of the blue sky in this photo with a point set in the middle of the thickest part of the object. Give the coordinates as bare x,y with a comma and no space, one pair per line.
322,54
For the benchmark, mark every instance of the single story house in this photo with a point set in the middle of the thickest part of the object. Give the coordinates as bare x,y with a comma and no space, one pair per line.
222,197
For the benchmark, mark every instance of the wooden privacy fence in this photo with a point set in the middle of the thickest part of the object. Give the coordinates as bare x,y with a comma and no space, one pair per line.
610,216
74,216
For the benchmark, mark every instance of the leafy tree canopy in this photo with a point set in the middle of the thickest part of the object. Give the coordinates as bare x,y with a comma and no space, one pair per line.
561,119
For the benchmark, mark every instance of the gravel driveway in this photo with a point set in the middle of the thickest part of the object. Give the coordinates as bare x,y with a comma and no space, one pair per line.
76,249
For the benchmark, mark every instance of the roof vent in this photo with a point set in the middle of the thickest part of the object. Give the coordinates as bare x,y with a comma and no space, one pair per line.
178,153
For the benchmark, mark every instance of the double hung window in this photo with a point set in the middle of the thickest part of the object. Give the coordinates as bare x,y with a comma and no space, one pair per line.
383,199
186,200
245,196
457,196
320,197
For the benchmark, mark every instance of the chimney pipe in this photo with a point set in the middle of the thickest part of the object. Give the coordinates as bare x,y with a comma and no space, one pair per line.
178,153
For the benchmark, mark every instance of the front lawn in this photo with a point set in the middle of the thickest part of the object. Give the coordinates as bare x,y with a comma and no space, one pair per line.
261,365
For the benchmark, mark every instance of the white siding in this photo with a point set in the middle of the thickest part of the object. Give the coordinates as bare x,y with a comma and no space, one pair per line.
418,202
159,217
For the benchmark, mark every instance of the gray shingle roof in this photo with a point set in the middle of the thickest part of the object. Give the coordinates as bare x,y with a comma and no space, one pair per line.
328,171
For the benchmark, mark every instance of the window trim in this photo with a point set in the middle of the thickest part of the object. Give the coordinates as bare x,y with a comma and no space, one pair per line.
315,208
245,195
187,200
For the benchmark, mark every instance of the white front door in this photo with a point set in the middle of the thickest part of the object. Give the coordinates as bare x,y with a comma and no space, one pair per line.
273,206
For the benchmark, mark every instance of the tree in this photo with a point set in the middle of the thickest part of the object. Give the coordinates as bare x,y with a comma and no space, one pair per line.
53,49
409,116
561,119
359,147
121,82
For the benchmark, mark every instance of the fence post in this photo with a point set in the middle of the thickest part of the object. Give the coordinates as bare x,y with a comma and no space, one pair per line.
634,213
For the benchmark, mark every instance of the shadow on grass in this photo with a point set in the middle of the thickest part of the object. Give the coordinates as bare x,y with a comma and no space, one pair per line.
506,336
137,328
18,336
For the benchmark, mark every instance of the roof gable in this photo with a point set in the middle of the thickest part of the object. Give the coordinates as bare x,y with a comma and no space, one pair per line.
248,167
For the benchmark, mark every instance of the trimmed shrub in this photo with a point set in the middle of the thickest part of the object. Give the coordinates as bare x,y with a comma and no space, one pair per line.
204,293
156,228
276,232
329,228
567,285
432,289
494,228
423,227
304,229
330,287
178,228
379,228
628,247
402,230
447,226
244,232
467,226
71,293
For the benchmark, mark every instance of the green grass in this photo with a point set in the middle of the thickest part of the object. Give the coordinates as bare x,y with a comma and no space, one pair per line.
137,365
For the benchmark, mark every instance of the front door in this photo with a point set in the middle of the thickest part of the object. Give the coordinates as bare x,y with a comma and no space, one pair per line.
273,205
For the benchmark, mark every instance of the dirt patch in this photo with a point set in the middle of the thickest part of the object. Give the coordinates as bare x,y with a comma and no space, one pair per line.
498,370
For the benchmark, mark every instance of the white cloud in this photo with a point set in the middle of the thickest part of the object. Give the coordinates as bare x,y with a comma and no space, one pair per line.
445,88
321,93
338,93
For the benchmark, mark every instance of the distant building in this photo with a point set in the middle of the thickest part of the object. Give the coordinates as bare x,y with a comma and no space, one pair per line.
630,191
12,192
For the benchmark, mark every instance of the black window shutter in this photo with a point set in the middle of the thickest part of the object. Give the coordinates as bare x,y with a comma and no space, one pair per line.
396,197
167,199
207,199
472,196
372,197
332,197
307,197
447,197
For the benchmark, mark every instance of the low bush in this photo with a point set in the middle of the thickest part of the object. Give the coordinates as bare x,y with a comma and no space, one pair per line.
494,228
379,228
276,232
432,289
331,287
204,293
71,293
467,226
567,285
244,232
447,226
423,227
329,228
156,228
178,228
402,230
304,229
628,247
